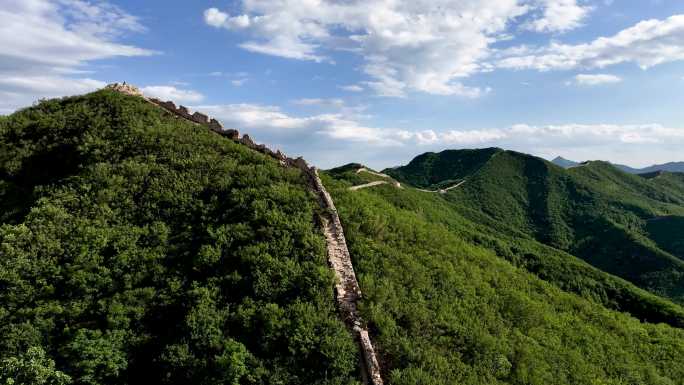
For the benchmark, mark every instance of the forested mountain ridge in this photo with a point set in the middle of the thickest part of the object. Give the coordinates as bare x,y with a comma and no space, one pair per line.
455,300
594,210
137,247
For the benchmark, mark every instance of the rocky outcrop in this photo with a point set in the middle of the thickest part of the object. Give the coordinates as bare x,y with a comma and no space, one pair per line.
125,89
347,290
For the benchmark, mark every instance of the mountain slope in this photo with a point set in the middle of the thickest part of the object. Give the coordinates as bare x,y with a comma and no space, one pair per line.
138,248
593,211
456,301
669,167
432,170
565,163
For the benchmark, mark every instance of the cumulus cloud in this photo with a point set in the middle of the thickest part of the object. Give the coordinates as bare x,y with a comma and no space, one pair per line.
324,138
432,46
62,33
560,135
172,93
49,85
310,135
417,45
647,44
559,16
21,91
407,45
46,45
595,79
272,125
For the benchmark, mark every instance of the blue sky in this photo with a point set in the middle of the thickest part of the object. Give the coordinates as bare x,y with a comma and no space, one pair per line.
376,81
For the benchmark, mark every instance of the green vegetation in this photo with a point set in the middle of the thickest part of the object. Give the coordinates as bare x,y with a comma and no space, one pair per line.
455,301
593,211
350,172
668,234
136,248
432,170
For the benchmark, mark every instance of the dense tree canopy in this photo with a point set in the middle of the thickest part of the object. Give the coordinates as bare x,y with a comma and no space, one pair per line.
609,218
136,248
452,301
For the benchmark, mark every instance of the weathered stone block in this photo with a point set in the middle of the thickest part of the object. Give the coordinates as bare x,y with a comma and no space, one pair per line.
247,141
200,118
232,134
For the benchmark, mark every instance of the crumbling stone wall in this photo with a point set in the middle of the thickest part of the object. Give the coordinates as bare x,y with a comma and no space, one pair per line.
183,112
347,289
180,111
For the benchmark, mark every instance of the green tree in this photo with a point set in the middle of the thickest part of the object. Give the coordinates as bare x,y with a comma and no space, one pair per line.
31,368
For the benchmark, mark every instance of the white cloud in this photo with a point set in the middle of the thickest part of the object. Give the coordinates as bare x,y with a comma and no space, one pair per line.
568,135
559,16
22,91
255,117
172,93
271,125
46,44
407,45
238,82
417,45
324,139
595,79
216,18
48,85
332,102
352,88
64,33
647,44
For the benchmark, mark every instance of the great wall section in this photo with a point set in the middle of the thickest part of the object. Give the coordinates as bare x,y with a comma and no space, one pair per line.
347,289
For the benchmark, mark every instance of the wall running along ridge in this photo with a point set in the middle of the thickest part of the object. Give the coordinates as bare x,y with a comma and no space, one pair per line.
347,290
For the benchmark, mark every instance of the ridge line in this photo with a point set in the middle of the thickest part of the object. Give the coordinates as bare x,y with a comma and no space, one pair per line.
347,289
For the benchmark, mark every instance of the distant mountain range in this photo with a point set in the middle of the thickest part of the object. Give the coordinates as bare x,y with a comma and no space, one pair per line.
624,224
670,167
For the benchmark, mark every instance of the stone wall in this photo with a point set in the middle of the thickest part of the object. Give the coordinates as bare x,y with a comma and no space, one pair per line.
347,289
180,111
183,112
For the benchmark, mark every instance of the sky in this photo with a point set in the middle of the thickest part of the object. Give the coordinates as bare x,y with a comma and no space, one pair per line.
376,81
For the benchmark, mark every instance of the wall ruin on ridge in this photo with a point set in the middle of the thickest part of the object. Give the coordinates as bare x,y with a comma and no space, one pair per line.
347,289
